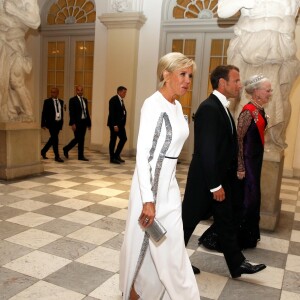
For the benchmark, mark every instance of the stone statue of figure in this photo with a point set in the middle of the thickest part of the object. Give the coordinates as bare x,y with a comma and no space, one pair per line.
264,43
16,17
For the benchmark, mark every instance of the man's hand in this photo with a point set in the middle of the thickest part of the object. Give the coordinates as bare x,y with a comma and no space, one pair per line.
219,195
116,128
73,127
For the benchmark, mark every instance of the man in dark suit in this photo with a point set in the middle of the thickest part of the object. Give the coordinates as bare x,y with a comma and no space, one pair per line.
79,121
116,122
210,187
52,119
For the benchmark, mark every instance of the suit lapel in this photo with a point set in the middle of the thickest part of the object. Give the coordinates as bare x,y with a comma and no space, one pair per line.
230,130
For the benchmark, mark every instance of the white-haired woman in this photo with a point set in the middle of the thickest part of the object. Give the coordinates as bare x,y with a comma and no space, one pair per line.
251,126
151,270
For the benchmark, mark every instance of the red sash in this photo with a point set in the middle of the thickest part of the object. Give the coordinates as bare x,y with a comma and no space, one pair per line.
258,119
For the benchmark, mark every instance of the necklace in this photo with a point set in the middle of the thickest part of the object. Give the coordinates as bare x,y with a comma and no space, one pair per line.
256,104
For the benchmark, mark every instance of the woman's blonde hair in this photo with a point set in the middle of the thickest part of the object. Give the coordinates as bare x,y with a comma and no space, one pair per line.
171,62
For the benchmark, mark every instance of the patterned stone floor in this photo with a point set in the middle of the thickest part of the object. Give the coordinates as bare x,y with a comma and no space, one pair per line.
60,237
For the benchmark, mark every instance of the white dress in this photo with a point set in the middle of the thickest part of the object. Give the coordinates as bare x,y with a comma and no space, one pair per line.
158,270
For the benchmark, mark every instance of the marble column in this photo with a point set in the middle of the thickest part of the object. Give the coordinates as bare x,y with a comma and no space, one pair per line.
123,30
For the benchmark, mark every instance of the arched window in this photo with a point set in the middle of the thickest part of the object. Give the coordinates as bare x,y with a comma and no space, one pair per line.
71,12
195,9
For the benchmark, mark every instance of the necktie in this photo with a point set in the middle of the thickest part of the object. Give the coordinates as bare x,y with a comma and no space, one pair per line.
57,105
57,112
83,108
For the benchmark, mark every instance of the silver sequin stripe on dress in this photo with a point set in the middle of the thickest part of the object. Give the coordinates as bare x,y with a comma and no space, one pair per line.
154,182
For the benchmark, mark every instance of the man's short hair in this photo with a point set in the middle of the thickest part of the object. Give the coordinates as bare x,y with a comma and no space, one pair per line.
121,88
219,72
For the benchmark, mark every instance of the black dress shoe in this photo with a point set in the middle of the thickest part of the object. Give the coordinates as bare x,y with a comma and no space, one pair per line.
83,158
44,155
66,154
120,159
58,159
115,161
196,270
247,268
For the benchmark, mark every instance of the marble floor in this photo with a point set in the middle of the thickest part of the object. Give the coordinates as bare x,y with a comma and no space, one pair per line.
60,237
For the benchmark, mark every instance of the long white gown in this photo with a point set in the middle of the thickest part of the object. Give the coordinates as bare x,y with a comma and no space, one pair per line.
158,270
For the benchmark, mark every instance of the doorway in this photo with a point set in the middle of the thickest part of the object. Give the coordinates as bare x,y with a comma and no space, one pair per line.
208,50
70,62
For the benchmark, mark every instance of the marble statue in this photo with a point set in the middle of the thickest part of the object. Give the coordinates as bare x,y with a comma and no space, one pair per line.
16,17
264,43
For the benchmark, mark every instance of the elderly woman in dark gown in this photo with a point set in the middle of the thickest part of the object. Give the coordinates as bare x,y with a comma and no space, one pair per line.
251,125
250,130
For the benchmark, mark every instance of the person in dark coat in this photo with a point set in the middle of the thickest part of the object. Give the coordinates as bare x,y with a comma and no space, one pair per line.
52,119
79,121
116,122
213,170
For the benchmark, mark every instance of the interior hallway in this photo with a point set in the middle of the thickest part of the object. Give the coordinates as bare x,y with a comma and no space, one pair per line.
61,233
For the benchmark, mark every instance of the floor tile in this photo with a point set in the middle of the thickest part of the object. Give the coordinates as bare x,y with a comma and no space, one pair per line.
60,227
28,205
79,277
293,263
27,194
10,251
47,291
74,203
30,219
102,258
82,217
109,290
115,202
107,192
68,248
12,282
68,193
37,264
92,235
33,238
8,229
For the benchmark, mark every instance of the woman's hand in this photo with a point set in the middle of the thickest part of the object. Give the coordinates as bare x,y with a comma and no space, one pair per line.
148,214
240,175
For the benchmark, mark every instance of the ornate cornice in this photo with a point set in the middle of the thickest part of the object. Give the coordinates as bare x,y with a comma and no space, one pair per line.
123,20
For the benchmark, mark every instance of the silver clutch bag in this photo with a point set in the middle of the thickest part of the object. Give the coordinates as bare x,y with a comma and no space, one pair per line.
156,231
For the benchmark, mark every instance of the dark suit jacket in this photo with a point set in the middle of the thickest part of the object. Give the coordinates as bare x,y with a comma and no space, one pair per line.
48,114
215,152
75,111
117,113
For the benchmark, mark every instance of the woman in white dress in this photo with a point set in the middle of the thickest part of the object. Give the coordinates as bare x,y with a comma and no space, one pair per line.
151,270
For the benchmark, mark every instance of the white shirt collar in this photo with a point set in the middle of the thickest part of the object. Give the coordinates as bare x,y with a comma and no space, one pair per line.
222,98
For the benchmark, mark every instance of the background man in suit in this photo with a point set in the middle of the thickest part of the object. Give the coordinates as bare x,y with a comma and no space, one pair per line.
79,120
116,122
52,118
213,171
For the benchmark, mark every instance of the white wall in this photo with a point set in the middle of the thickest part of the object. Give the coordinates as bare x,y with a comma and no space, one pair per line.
99,115
148,56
